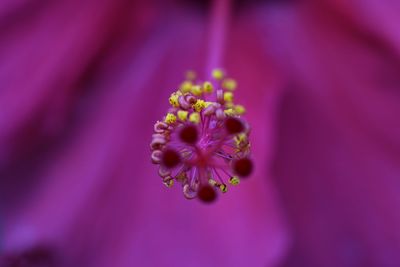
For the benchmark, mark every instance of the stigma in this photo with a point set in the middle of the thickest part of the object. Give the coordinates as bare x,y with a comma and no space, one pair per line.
202,142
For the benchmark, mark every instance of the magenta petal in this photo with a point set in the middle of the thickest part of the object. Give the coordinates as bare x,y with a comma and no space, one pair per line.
102,204
337,161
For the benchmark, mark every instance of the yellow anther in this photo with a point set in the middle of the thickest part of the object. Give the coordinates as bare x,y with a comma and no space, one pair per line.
170,118
194,117
228,96
223,188
212,182
239,109
182,115
199,105
229,112
173,99
196,90
181,177
190,75
208,87
234,180
169,183
229,105
240,139
229,84
207,103
217,74
186,86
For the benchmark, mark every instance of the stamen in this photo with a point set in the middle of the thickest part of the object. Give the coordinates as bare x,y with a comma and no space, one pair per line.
194,117
182,115
202,142
186,86
170,118
190,75
208,87
234,180
228,96
229,84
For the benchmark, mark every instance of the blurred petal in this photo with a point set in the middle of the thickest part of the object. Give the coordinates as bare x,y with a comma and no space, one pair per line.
337,161
102,203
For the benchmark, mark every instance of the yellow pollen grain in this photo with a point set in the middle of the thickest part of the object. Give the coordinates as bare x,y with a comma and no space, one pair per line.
217,74
234,180
228,96
199,105
239,109
194,117
223,188
173,99
186,86
190,75
182,115
240,138
207,103
208,87
196,90
229,84
229,105
181,177
170,118
229,112
169,183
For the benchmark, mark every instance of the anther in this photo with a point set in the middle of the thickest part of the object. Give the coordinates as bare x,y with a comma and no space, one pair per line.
217,74
239,109
190,75
243,167
170,158
182,115
234,180
208,87
186,86
196,90
228,96
168,181
206,194
194,117
233,125
170,118
229,84
223,188
189,134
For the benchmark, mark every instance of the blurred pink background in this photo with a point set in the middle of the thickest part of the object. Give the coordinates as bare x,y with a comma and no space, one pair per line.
82,82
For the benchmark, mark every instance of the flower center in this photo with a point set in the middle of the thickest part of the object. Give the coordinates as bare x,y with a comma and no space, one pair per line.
203,142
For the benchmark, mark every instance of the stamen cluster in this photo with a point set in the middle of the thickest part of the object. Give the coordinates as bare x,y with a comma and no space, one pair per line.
202,142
